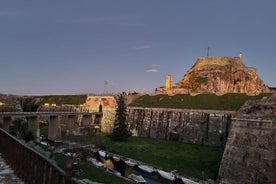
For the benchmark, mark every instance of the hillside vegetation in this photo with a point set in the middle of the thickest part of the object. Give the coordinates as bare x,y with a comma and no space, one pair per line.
231,101
64,99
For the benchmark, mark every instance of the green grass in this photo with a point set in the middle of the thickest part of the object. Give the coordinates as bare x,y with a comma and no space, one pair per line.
64,99
43,129
229,101
188,159
90,171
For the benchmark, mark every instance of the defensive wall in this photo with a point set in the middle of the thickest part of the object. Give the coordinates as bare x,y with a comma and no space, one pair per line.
250,153
108,107
107,103
206,127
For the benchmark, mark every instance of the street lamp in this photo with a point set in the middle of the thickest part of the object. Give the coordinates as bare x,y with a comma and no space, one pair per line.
1,105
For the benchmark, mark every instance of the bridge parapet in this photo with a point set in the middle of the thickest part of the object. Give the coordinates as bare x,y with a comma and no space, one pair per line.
29,165
46,113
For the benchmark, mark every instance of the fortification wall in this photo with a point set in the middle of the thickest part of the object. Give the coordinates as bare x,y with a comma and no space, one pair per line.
250,153
190,126
108,104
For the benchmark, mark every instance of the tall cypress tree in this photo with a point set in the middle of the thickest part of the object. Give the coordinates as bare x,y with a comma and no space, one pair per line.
120,130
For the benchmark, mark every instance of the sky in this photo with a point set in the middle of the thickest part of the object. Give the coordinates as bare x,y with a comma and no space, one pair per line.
111,46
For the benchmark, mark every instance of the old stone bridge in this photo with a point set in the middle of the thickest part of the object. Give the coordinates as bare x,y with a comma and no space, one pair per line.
74,122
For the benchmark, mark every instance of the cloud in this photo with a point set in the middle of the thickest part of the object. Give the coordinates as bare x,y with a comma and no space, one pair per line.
155,65
142,47
152,70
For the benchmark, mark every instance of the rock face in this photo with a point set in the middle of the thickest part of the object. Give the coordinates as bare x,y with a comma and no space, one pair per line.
250,152
219,75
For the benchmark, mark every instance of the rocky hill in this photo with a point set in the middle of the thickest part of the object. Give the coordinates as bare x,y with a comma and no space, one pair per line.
219,75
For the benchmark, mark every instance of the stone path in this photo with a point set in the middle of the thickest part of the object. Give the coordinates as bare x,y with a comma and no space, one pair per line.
7,175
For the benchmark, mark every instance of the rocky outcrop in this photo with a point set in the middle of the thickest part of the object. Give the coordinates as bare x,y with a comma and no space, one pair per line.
250,152
219,75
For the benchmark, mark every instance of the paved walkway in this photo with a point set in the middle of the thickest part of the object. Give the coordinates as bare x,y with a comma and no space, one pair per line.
7,175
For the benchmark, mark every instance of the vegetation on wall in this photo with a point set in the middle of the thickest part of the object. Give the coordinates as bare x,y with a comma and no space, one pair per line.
231,101
201,80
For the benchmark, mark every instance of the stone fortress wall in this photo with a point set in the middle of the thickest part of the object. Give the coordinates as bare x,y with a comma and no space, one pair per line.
108,105
190,126
250,150
250,153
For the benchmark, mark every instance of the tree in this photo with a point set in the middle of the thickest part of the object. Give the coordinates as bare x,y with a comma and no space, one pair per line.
20,130
120,130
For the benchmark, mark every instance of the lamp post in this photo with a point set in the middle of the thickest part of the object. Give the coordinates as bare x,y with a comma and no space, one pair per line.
1,105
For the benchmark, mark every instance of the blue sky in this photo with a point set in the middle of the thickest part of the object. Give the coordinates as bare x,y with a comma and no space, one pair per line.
104,46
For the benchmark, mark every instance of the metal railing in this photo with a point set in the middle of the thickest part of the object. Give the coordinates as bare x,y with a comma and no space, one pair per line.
29,165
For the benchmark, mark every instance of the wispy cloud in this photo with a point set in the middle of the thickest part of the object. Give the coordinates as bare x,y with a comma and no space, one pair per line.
152,70
142,47
155,65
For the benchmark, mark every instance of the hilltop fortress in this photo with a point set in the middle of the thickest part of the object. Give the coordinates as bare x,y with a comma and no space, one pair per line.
218,75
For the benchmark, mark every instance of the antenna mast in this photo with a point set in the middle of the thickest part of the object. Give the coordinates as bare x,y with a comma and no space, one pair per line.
208,49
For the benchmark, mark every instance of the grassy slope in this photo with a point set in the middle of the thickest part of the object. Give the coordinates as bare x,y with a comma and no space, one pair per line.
188,159
201,101
90,172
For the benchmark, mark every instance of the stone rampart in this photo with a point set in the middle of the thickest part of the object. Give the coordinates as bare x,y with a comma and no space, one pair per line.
204,127
250,153
108,105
